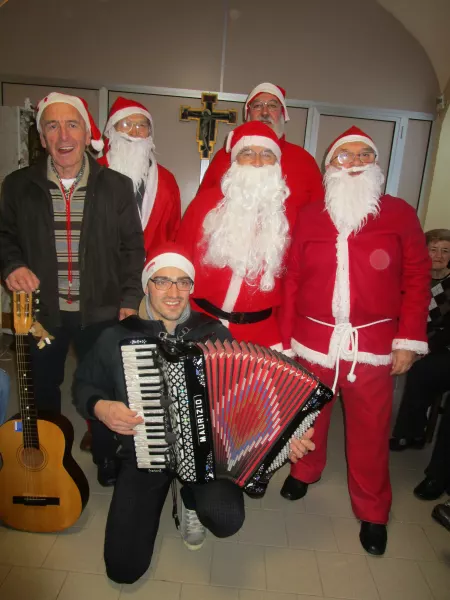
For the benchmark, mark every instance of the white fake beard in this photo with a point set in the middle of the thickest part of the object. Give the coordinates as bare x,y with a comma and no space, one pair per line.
131,156
248,231
277,127
350,200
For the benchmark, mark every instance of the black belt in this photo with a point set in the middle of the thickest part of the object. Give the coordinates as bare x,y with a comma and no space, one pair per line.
238,318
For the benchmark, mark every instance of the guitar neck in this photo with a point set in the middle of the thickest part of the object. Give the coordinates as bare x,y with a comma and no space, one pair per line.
27,405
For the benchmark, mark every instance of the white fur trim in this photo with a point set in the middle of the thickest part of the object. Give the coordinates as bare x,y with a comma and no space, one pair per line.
268,88
413,345
328,360
97,145
126,112
346,140
151,189
341,292
255,140
232,293
168,259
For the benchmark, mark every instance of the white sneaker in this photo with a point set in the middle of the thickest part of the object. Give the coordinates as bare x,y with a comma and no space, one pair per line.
192,531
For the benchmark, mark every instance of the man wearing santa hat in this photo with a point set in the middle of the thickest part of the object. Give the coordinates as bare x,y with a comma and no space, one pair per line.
71,228
130,149
355,306
238,233
267,103
100,395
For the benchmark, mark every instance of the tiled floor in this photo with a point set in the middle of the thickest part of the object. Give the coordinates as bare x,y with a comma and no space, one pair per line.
306,550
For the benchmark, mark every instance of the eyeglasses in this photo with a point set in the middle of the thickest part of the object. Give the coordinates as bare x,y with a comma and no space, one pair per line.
347,158
164,284
247,155
140,127
272,106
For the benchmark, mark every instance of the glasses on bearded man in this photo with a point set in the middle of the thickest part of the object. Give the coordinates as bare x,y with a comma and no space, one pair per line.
272,106
164,283
344,158
141,128
248,155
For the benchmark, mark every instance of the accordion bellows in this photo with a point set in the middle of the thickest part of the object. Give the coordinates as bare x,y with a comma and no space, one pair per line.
217,410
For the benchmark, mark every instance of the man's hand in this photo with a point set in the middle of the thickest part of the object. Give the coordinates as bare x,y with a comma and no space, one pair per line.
117,417
126,312
302,446
22,280
402,361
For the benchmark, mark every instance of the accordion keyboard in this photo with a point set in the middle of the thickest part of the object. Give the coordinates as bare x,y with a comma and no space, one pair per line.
144,391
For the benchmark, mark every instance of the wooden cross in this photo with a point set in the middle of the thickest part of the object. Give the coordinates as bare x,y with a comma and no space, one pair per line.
207,122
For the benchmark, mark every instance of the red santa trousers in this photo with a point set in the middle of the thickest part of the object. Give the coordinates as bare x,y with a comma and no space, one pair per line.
367,411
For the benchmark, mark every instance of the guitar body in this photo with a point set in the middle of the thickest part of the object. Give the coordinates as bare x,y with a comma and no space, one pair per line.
42,489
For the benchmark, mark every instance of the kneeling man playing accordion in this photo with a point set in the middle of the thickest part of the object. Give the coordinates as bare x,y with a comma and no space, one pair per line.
103,391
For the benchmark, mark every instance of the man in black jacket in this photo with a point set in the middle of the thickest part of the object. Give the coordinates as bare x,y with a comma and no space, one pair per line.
100,393
71,228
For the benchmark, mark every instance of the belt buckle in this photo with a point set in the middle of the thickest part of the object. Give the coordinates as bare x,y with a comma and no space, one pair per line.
238,318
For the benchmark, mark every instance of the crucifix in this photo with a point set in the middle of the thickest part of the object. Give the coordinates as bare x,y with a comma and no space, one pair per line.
207,125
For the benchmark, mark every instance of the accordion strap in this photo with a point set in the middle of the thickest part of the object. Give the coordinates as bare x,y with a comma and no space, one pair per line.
173,487
238,318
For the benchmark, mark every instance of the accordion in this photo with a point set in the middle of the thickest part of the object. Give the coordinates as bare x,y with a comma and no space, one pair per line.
217,410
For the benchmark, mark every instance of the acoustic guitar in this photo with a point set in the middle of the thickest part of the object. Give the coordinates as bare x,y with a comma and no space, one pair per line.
42,488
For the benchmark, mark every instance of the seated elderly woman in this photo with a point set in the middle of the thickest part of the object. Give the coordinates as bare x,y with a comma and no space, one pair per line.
430,376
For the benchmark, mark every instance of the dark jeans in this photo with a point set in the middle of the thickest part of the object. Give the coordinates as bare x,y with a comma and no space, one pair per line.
48,365
135,510
427,378
439,465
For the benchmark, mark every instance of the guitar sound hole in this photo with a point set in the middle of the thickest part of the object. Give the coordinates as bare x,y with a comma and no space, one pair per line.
32,458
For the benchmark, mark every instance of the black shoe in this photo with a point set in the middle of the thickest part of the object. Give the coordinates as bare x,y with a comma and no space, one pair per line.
293,489
400,444
373,537
441,514
429,489
107,471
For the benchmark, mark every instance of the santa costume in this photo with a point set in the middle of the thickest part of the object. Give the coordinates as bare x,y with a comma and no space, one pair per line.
351,297
299,167
248,311
161,205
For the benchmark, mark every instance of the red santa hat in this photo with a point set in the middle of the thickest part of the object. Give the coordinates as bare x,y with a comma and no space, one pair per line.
252,133
354,134
122,108
81,106
169,254
268,88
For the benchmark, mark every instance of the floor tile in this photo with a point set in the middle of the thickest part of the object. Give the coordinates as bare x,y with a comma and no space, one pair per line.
25,549
80,550
439,538
328,499
96,512
4,570
311,532
272,500
294,571
437,576
238,566
346,576
201,592
396,579
264,527
178,563
407,508
87,586
32,584
259,595
408,540
346,532
149,590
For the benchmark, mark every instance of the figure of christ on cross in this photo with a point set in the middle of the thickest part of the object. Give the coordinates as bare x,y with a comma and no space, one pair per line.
207,125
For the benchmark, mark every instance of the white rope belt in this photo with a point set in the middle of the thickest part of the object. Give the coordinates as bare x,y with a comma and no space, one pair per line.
348,335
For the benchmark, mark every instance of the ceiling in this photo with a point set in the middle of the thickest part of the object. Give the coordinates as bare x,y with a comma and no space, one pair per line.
429,22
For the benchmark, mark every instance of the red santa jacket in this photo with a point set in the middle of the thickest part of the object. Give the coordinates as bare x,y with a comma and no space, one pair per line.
161,220
338,287
299,167
219,286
